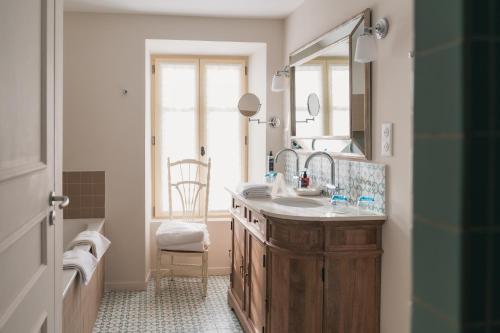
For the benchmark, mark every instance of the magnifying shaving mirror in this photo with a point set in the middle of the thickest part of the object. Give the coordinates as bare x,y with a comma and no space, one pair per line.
249,105
313,108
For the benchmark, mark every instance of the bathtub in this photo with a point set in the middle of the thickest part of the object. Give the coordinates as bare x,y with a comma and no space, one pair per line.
81,302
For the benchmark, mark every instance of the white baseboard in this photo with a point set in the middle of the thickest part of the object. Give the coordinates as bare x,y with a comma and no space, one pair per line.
127,285
134,285
212,271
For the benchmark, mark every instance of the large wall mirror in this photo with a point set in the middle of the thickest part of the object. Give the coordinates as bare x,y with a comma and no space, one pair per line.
330,92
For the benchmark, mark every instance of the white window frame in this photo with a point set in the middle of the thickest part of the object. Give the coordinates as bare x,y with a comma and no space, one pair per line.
201,112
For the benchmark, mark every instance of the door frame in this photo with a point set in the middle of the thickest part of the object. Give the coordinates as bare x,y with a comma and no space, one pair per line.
58,157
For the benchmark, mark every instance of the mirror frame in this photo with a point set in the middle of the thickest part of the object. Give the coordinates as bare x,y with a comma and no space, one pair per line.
308,52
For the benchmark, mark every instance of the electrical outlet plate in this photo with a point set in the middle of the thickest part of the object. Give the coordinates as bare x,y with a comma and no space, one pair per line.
386,139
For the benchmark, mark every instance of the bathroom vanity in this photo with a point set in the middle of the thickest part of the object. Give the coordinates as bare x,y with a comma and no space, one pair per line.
297,266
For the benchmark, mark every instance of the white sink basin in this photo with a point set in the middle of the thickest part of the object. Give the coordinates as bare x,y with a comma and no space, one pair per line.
297,202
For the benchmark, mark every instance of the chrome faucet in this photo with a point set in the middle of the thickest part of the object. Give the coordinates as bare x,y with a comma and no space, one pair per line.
331,187
296,158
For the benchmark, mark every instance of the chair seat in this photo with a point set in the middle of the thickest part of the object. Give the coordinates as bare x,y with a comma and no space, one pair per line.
182,236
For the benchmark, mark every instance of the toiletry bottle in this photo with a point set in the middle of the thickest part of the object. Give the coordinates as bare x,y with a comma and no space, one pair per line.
304,180
270,162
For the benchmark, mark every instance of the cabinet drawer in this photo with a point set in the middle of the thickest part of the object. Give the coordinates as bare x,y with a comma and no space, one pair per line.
352,238
306,237
257,222
239,209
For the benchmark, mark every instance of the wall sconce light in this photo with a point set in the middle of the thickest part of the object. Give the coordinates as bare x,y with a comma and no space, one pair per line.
366,46
279,79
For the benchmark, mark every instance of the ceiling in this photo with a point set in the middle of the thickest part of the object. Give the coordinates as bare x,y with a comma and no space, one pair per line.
215,8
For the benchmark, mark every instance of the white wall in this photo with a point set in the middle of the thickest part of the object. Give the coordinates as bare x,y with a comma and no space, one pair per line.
104,130
392,101
258,133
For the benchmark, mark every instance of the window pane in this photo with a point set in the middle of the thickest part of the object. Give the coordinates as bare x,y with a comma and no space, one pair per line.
339,90
177,122
223,130
308,80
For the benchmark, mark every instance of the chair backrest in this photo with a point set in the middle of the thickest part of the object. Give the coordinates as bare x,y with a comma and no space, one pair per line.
193,186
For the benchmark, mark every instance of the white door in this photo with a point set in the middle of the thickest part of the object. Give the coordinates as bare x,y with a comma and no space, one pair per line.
30,295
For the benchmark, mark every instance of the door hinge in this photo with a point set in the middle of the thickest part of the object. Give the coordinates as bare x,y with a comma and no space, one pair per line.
153,140
231,279
246,140
323,274
154,211
246,70
153,69
263,260
263,331
232,221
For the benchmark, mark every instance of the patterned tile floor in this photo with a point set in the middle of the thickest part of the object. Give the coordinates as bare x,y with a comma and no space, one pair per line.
179,308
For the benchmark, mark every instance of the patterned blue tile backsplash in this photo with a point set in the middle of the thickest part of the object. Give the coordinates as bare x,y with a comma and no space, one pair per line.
355,178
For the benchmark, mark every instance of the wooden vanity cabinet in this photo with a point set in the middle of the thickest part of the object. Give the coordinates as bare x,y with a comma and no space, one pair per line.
295,292
238,263
305,276
248,278
256,283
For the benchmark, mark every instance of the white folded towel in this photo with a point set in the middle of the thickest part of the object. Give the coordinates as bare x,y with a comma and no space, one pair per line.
83,261
98,243
249,190
180,232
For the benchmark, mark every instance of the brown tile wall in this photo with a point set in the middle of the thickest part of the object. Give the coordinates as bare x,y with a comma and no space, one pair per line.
86,191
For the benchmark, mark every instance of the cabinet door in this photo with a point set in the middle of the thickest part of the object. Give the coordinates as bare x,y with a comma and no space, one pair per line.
238,265
352,294
256,284
295,289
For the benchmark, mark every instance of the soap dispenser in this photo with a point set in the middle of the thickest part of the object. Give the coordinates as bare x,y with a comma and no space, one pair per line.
270,162
304,180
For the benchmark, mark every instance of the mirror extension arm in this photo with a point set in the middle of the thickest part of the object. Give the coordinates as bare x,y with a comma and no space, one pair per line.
274,122
305,121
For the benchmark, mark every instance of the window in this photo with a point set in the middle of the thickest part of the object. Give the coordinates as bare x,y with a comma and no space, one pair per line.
196,110
329,78
309,79
339,98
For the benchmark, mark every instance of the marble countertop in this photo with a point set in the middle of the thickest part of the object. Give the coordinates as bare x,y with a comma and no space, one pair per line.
325,212
70,274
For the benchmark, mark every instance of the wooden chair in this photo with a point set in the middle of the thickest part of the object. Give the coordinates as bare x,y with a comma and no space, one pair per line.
176,237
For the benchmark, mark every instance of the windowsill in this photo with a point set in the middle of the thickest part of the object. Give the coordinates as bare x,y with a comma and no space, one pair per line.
222,219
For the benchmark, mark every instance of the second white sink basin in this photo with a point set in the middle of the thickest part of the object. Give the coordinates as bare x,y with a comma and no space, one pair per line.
297,202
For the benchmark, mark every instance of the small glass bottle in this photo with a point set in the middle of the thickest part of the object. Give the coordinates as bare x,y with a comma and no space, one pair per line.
270,162
304,180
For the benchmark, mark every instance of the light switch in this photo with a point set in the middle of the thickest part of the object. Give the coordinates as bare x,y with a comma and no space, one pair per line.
387,139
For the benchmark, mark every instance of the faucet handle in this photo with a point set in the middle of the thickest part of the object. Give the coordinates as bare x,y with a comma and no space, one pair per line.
332,189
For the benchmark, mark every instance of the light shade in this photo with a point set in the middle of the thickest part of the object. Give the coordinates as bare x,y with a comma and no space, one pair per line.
366,49
279,82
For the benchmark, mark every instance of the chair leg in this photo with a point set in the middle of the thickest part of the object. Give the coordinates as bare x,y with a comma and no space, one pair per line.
204,272
171,271
158,271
